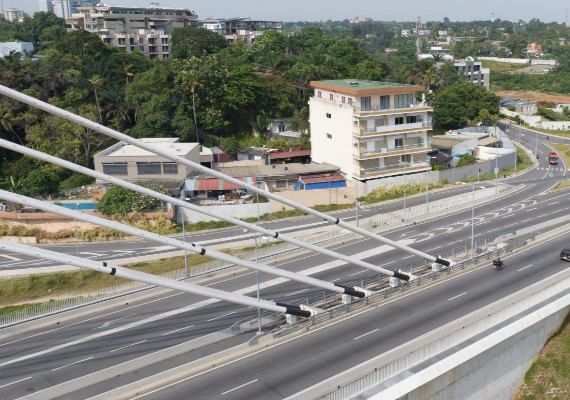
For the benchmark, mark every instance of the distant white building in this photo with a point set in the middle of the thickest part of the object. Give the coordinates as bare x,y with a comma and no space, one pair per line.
14,15
474,71
45,6
19,47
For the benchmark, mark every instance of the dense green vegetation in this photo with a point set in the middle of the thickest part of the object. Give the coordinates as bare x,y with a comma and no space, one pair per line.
225,95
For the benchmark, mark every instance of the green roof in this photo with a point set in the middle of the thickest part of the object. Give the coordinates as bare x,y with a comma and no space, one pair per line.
363,84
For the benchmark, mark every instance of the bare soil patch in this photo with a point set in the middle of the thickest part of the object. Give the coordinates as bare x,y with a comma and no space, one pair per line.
534,96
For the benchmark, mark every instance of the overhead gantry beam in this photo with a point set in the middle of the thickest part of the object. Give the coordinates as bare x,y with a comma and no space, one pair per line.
135,142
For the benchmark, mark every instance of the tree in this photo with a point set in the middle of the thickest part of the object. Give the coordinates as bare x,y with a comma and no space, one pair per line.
457,105
39,182
195,42
466,159
118,200
260,124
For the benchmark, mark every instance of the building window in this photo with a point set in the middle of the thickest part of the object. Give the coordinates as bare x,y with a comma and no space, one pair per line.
399,143
170,168
118,168
319,94
343,99
149,168
282,184
412,119
365,103
329,136
329,115
403,100
399,120
384,102
331,96
350,101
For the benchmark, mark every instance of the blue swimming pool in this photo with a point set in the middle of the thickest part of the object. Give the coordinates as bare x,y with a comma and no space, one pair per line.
83,205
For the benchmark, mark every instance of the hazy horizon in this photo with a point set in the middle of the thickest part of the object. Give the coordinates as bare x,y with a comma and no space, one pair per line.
337,10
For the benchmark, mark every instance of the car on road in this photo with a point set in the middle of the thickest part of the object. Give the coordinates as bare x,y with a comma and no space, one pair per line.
552,158
565,254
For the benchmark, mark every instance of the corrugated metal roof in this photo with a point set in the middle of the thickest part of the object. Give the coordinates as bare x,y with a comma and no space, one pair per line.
288,154
277,170
214,184
321,179
488,140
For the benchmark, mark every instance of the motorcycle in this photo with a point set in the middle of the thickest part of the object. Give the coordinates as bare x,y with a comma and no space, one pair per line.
498,263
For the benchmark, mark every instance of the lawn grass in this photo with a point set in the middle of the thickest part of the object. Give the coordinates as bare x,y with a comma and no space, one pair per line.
497,66
549,375
32,287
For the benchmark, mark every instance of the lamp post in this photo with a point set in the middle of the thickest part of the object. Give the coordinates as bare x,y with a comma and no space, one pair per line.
356,202
472,219
427,185
75,231
496,173
184,240
257,280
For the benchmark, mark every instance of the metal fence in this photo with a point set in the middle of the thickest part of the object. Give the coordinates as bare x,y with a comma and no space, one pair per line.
34,311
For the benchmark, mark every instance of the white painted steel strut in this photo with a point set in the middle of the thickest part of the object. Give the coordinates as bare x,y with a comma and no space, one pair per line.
135,142
127,273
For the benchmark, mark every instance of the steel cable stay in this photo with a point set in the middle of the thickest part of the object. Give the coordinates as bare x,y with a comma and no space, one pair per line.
122,272
135,142
183,204
129,230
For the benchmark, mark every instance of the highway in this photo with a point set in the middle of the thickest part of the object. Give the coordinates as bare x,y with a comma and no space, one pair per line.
37,360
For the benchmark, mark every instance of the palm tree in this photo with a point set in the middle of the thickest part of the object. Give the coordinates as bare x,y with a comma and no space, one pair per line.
6,118
192,82
97,80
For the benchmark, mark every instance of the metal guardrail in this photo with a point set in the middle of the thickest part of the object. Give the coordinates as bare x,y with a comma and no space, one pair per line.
52,307
330,302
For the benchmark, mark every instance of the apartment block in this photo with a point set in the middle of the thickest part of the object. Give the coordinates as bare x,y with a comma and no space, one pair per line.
240,29
134,28
474,72
369,129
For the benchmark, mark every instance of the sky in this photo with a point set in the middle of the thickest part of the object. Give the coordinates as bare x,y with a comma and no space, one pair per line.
323,10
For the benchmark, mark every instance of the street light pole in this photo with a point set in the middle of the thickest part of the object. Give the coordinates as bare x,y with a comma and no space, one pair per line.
472,219
184,240
356,199
75,231
496,173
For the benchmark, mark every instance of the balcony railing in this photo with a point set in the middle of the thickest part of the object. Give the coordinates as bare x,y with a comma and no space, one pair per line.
387,150
377,107
392,128
391,168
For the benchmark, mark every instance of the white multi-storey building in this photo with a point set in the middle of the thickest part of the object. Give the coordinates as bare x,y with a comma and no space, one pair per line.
14,15
134,28
474,71
369,129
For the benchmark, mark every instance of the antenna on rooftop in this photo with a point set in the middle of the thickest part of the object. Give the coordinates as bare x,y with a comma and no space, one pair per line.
3,16
154,4
492,17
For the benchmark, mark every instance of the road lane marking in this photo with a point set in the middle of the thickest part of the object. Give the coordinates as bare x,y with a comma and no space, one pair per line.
177,330
435,248
459,295
294,293
239,387
356,273
221,316
528,266
129,345
10,258
76,362
108,323
12,383
358,337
